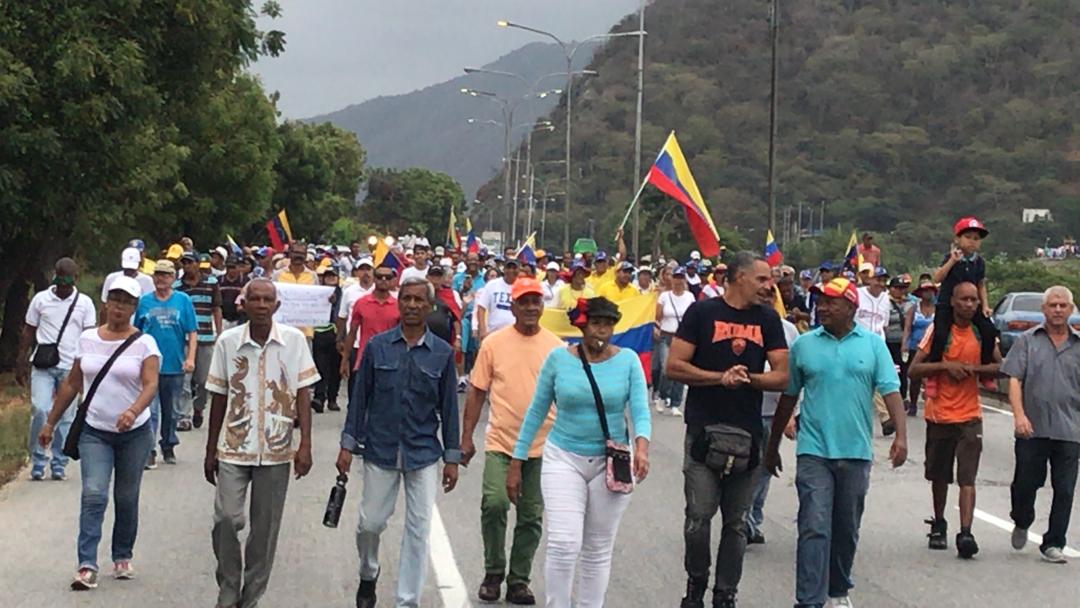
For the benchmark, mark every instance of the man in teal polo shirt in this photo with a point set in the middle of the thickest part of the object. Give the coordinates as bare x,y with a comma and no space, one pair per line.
837,367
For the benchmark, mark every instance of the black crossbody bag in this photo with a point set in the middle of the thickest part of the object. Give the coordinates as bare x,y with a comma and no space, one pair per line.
48,355
71,443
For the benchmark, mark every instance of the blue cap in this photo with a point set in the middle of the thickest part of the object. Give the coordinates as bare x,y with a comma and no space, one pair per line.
600,256
881,272
827,265
578,265
137,244
806,274
679,270
627,266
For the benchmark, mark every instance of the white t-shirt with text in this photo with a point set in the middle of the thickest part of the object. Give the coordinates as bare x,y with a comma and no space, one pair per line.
495,299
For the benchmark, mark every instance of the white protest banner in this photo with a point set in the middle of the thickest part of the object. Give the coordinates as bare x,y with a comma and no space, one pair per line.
303,305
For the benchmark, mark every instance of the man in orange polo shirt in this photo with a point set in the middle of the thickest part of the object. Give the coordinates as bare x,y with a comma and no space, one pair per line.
954,418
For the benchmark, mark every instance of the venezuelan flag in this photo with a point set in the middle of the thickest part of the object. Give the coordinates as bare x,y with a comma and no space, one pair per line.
772,251
386,258
453,238
527,252
852,258
278,230
471,245
633,331
671,175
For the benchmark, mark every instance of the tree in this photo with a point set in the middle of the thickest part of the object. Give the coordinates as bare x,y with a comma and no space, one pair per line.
411,199
317,176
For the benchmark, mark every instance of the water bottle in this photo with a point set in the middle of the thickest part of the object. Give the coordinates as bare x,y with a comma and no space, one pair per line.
336,502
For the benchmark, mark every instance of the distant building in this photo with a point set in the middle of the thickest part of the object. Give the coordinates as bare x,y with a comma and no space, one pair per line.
1037,215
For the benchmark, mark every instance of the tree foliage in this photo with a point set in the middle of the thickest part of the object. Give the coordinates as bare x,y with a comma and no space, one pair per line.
412,199
900,116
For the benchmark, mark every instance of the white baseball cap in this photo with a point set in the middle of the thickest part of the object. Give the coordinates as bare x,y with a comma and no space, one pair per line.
695,255
553,266
130,259
127,285
221,251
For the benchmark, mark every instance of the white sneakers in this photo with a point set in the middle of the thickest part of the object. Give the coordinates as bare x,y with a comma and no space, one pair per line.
841,602
1054,555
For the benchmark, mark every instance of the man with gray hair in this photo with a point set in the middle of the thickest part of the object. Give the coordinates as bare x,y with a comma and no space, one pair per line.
403,392
1043,366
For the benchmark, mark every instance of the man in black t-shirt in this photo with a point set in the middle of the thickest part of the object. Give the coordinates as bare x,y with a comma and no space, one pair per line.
720,351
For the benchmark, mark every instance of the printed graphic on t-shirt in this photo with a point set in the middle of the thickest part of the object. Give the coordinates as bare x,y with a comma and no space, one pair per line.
739,333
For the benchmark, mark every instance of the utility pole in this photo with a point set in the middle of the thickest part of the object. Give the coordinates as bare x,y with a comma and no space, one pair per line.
798,232
822,219
517,173
637,126
775,30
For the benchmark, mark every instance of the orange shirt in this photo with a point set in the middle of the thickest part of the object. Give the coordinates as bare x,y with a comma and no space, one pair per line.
507,367
957,400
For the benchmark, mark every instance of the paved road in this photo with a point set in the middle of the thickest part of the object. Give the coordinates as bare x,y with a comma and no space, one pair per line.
317,566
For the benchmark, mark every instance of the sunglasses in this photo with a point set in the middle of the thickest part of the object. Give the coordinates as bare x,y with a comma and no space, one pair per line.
383,277
63,280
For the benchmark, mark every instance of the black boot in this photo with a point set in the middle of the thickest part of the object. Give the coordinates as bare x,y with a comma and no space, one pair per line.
695,593
939,530
723,599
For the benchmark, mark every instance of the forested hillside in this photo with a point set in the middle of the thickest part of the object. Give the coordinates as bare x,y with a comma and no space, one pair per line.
901,116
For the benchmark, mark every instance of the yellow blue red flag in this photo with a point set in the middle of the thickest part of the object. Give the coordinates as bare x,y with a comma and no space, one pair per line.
633,331
671,175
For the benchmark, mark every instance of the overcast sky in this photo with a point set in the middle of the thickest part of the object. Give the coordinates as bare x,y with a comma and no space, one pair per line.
340,52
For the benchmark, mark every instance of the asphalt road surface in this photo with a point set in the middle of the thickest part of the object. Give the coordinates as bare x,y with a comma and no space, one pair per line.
317,566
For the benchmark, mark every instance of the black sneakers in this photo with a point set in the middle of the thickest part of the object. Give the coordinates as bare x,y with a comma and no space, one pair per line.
966,547
695,593
365,594
939,529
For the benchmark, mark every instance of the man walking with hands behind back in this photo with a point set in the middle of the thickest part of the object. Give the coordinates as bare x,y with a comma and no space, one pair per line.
506,370
259,377
1044,372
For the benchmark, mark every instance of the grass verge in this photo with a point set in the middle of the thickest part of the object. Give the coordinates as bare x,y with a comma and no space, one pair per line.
14,424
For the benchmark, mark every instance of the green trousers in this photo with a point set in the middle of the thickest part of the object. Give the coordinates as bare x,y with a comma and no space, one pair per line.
494,506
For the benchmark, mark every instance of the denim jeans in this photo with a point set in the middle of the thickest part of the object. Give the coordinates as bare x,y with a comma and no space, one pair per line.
102,453
170,387
756,517
832,493
666,388
380,491
43,386
706,492
1032,455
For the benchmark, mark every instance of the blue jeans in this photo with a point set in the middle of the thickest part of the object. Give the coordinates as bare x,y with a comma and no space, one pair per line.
43,386
102,453
666,388
380,490
832,493
164,408
756,517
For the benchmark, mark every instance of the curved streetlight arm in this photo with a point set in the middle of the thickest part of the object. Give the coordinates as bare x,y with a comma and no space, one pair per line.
580,44
505,23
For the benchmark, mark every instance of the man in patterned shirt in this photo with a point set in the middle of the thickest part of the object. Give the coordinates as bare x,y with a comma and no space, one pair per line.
260,377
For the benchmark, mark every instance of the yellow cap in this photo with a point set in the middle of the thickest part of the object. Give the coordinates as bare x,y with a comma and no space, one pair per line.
174,252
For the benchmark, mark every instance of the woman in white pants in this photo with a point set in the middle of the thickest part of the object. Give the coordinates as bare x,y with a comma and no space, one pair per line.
582,513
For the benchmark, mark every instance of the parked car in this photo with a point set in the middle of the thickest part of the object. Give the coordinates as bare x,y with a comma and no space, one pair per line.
1018,312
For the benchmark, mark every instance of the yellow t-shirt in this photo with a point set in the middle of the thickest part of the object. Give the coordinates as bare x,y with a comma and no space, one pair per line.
507,367
568,296
147,266
617,294
596,282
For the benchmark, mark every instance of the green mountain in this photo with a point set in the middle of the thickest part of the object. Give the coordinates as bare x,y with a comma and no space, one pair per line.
899,116
429,128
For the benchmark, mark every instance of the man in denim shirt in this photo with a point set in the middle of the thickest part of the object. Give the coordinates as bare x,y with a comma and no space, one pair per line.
404,390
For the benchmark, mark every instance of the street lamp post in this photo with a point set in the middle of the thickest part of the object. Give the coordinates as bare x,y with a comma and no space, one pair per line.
569,50
637,126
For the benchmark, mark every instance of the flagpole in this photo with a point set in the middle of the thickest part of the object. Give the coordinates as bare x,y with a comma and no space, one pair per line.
633,204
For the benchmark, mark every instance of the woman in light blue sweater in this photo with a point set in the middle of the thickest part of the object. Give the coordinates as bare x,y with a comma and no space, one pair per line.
582,514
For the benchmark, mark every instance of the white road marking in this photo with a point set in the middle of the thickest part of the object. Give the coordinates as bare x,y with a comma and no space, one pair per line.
1008,527
451,585
997,409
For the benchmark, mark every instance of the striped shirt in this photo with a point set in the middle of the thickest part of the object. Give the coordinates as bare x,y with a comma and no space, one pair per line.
205,296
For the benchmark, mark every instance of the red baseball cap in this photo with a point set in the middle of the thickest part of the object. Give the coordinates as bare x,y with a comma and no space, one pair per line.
524,286
970,223
838,288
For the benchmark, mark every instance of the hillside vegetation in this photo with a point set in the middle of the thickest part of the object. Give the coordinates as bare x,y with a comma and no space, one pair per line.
901,116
